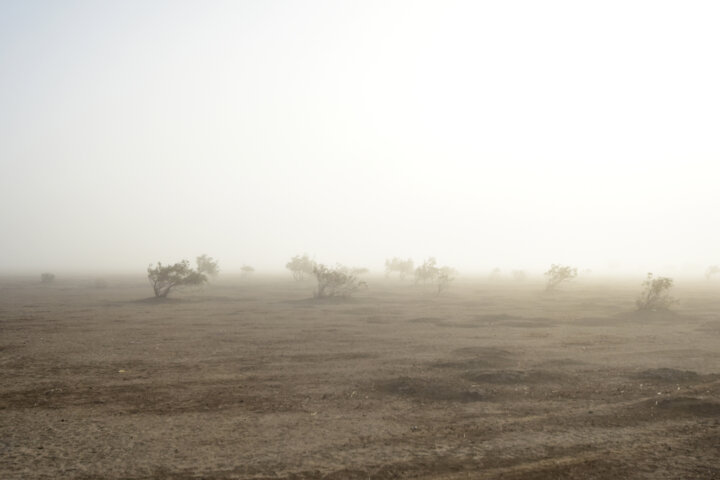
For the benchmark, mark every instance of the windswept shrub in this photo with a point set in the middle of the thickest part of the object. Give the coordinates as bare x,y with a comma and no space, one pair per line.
655,294
558,274
403,268
336,282
207,265
164,278
300,266
47,277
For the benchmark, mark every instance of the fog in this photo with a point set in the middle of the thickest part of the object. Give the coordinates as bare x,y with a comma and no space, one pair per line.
486,134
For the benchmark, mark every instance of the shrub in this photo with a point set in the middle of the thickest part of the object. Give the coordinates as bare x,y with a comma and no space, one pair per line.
655,294
336,282
519,275
427,272
165,278
246,271
430,272
47,277
300,266
445,278
207,265
402,267
558,274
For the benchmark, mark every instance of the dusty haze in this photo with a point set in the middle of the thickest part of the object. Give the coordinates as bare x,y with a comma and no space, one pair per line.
511,134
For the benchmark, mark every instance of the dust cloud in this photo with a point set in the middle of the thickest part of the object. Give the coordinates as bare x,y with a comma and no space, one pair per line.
483,135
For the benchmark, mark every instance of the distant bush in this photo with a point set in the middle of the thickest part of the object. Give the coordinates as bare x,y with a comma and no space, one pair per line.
519,275
164,278
336,282
207,265
47,277
429,272
712,270
246,271
655,294
495,275
300,266
403,268
558,274
445,277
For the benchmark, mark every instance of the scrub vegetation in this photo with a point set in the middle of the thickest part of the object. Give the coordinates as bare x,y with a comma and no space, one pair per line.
338,281
164,278
558,274
655,294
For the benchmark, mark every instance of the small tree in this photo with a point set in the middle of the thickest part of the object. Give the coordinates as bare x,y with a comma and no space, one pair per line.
655,294
165,278
300,266
47,277
519,275
336,281
712,270
558,274
207,265
430,272
246,271
397,265
427,272
445,277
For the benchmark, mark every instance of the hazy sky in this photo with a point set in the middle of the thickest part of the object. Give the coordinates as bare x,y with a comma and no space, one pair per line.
485,133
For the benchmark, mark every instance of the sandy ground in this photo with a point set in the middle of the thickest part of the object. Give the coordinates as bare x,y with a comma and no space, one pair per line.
252,379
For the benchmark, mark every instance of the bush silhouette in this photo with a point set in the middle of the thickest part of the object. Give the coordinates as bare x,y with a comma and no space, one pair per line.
300,266
47,277
338,281
558,274
163,278
430,272
402,267
246,271
655,294
207,265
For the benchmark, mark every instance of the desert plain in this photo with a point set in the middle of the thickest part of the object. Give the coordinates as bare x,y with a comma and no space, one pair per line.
255,379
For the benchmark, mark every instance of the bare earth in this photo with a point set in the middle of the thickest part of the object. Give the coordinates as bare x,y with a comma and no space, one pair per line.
252,379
